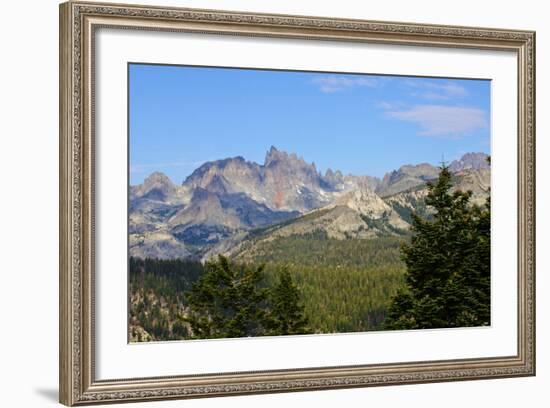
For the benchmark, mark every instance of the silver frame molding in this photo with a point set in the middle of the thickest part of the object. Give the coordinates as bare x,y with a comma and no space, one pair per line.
78,22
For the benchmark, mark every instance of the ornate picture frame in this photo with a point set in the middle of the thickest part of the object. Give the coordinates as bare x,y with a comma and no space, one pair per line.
79,22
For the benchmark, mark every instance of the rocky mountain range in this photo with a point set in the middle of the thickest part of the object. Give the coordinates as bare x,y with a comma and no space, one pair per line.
224,203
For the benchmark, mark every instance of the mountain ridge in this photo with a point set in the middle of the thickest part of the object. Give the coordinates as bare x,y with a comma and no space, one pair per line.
221,201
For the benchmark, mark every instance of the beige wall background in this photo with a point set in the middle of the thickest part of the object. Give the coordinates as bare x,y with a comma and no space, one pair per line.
28,204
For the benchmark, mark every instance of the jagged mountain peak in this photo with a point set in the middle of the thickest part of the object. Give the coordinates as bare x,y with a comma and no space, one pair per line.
215,166
157,186
276,156
423,170
470,161
158,178
227,175
407,176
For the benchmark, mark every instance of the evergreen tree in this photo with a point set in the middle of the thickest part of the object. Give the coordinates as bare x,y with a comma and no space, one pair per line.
448,264
287,313
227,301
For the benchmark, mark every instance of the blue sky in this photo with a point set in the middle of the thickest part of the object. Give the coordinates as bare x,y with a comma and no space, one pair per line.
181,117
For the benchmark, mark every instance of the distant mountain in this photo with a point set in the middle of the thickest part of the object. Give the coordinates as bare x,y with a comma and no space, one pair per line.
156,187
405,202
410,176
406,177
470,161
224,203
153,201
284,182
212,216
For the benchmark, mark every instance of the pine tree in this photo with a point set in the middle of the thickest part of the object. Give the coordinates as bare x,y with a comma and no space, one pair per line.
227,301
287,313
448,264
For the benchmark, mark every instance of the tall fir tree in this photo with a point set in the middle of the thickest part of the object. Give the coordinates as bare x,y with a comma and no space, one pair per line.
287,313
448,264
228,301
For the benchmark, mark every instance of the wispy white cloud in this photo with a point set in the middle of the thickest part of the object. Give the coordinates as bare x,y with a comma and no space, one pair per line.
436,91
141,168
385,105
442,121
393,105
333,83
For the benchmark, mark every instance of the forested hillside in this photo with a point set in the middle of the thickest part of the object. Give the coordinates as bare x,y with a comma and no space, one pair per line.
344,285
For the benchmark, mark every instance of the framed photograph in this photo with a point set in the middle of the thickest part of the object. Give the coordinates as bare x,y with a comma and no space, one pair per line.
256,203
